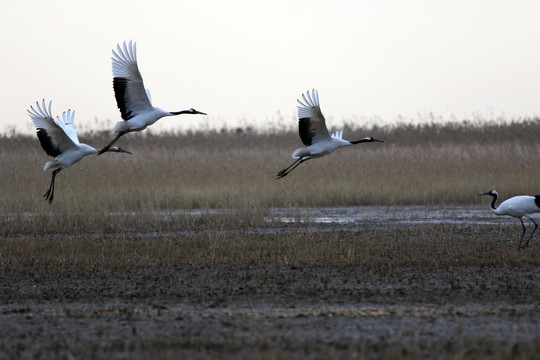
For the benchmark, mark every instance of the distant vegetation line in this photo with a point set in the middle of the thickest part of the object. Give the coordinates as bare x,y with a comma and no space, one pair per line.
425,127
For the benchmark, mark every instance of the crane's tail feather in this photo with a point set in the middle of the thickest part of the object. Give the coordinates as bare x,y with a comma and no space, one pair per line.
49,164
296,153
121,126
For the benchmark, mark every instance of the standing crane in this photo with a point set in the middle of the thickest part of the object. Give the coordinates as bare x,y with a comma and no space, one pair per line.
519,207
59,139
132,98
315,135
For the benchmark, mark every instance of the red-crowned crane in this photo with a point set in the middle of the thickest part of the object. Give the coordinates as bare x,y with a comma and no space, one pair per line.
519,207
132,98
314,134
59,139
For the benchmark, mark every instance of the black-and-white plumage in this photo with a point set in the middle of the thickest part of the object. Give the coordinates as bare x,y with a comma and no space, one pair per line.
519,207
132,98
315,135
58,137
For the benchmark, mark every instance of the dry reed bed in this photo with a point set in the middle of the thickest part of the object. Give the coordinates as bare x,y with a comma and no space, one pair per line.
427,165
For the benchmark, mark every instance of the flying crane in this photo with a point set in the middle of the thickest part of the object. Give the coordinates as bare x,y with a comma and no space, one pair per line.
132,98
58,137
315,135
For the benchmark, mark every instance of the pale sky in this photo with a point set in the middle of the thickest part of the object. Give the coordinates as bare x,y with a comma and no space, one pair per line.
246,62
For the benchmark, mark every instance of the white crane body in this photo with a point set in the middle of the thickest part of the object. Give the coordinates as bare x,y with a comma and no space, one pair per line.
518,206
141,121
321,148
70,157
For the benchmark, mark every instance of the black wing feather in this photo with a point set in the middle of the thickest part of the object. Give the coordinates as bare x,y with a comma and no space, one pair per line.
537,200
305,130
119,85
46,143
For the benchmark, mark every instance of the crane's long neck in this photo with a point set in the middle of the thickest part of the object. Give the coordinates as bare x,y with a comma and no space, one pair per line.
492,205
354,142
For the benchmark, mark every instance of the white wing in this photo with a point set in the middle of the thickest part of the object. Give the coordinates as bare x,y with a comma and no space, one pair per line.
67,123
311,122
55,136
131,96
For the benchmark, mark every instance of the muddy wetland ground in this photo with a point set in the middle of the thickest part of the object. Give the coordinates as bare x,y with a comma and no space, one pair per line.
386,252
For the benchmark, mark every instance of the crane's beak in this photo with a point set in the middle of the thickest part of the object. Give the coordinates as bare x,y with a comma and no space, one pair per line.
124,151
483,194
200,112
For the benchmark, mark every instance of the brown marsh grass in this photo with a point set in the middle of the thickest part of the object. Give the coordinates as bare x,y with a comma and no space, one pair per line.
425,165
423,248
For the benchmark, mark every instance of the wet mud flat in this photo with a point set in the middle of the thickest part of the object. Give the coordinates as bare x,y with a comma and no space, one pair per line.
419,301
271,312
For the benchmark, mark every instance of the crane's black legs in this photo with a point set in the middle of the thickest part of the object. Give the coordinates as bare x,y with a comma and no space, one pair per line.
283,172
106,148
523,233
535,227
291,167
49,195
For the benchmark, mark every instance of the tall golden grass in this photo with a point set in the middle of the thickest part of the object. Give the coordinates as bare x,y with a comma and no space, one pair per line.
427,164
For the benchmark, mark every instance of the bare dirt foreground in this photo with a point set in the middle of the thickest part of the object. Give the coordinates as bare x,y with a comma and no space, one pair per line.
426,292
